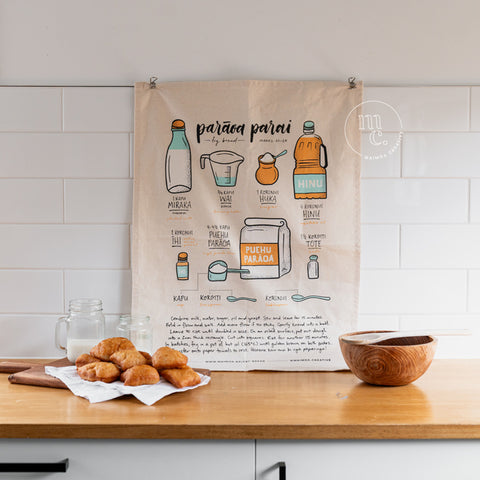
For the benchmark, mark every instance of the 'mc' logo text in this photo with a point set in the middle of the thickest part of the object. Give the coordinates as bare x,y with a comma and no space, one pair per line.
380,127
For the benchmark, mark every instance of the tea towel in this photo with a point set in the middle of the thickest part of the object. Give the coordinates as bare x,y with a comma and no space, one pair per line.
246,233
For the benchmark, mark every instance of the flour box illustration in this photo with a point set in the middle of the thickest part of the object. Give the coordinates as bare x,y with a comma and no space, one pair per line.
265,248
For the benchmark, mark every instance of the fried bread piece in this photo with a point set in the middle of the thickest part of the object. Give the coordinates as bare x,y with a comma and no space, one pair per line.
140,375
126,359
166,357
181,377
99,371
85,359
147,356
107,347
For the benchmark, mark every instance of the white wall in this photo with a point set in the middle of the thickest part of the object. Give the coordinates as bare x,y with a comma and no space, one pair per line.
117,42
66,162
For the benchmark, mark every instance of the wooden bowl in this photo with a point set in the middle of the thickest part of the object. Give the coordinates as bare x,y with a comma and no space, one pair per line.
394,362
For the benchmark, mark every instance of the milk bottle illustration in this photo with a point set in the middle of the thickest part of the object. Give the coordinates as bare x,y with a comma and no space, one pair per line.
310,175
178,164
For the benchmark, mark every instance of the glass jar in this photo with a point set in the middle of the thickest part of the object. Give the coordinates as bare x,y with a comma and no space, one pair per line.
85,327
138,329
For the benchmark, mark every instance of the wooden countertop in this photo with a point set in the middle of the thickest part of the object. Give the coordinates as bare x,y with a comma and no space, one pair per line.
444,403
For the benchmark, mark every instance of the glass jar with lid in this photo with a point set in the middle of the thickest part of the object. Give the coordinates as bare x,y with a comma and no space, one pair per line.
138,329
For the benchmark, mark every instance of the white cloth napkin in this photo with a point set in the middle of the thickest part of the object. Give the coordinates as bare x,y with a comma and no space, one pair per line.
96,392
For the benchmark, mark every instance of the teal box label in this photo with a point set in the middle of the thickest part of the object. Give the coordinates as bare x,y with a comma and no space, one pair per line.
182,272
310,183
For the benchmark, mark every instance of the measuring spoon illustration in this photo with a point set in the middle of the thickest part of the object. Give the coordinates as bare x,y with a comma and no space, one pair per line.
217,271
231,298
301,298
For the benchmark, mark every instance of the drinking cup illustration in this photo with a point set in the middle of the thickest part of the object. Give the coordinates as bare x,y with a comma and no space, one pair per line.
267,172
265,248
217,271
224,165
310,174
178,164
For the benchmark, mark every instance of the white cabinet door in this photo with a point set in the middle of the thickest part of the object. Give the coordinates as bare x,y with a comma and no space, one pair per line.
369,459
135,459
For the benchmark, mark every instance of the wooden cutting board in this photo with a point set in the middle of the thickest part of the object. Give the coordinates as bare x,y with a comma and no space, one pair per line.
31,373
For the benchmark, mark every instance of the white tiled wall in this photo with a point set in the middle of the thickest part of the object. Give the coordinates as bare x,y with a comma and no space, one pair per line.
65,209
421,214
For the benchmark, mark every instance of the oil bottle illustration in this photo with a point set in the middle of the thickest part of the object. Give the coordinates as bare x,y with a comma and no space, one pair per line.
178,164
310,174
267,172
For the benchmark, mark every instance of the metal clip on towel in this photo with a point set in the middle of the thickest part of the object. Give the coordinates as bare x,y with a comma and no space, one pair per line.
153,82
351,82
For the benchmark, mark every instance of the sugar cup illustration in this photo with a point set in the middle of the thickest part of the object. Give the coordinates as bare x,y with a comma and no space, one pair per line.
224,165
267,172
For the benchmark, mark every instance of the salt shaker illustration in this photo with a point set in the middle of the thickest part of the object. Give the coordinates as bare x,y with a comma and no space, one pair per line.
312,267
182,266
310,176
178,163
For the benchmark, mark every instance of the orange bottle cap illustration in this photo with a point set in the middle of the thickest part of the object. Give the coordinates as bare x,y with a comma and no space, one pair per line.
178,124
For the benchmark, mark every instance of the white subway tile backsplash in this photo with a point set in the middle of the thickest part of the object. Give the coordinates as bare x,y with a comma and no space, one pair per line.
449,346
380,246
414,201
31,291
34,336
30,109
98,109
31,201
377,163
475,106
114,287
440,246
444,155
65,246
412,291
67,156
474,291
423,108
378,322
98,201
64,155
475,201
